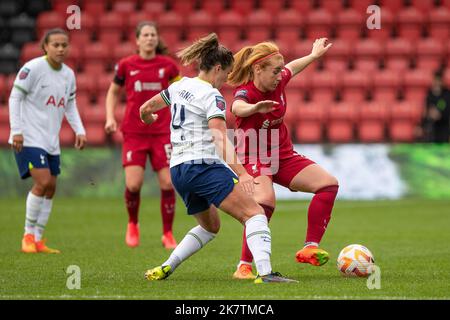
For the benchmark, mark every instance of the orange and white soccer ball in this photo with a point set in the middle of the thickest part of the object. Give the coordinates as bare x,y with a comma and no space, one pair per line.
355,260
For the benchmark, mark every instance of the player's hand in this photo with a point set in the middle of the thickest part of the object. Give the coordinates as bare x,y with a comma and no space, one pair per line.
248,183
80,141
266,106
110,126
146,115
320,47
17,142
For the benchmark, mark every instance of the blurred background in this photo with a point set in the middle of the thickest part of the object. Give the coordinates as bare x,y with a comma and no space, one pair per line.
368,94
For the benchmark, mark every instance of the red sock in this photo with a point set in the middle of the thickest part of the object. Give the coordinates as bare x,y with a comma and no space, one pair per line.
319,213
246,254
167,209
132,201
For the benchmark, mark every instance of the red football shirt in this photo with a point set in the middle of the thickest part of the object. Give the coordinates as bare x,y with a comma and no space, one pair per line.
263,123
142,80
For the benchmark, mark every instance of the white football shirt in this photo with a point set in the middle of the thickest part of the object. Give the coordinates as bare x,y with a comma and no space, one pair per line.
193,102
45,95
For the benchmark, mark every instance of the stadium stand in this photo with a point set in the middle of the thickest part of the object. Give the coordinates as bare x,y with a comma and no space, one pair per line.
370,87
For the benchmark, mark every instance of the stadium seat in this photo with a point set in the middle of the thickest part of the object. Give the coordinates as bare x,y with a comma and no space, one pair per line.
424,6
274,7
48,20
61,6
410,24
338,58
124,50
288,24
404,117
446,4
213,7
229,27
259,26
446,77
95,115
393,6
302,81
340,124
3,90
97,52
355,85
103,82
95,8
309,123
439,23
86,84
154,8
9,8
362,5
66,135
332,6
22,29
350,24
4,134
112,22
318,24
125,7
383,34
185,7
79,39
372,118
171,27
416,83
430,54
368,54
199,24
4,114
134,18
242,7
386,85
398,54
302,7
95,133
9,57
83,101
324,85
30,50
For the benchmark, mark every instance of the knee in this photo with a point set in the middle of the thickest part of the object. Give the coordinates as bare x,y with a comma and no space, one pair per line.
165,183
327,182
134,186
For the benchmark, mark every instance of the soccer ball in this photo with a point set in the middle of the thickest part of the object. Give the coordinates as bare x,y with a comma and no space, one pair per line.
355,260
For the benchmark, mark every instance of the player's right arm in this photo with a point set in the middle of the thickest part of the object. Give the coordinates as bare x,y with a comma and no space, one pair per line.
225,149
156,103
244,109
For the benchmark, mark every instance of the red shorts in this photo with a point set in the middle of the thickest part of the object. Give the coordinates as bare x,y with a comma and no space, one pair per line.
284,172
136,147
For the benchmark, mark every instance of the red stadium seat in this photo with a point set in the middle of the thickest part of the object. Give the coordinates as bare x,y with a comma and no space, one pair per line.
2,88
324,85
416,83
446,77
430,54
229,27
124,6
61,6
4,114
309,122
446,3
350,23
338,57
394,6
424,6
340,124
103,82
354,86
398,54
97,52
30,50
112,21
318,24
4,134
184,7
371,125
95,8
386,85
302,81
66,134
75,57
171,26
199,24
404,117
48,20
242,7
83,101
362,5
274,7
368,54
302,7
95,133
410,24
86,84
89,23
79,39
154,8
134,18
96,114
259,26
124,50
288,24
439,23
213,7
332,6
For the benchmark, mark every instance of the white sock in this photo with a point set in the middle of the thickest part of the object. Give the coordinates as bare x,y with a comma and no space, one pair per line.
42,220
311,244
33,207
192,242
259,242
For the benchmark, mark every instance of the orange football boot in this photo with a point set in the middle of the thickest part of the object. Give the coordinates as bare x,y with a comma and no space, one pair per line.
168,241
28,244
244,271
132,237
312,255
42,248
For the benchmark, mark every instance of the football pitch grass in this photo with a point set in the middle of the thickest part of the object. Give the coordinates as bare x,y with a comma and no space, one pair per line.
410,240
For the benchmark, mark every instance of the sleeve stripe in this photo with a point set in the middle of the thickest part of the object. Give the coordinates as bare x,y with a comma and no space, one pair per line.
217,116
166,100
20,88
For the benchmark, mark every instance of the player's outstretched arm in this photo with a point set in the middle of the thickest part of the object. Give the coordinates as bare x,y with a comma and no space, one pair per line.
320,47
243,109
148,109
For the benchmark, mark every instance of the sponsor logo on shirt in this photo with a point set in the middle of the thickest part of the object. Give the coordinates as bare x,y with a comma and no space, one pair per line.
24,73
134,72
161,72
220,103
52,101
147,86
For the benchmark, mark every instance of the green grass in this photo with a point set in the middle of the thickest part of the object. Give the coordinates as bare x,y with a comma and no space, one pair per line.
410,240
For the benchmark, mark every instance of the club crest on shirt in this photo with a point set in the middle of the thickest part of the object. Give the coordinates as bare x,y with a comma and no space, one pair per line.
220,103
161,72
24,73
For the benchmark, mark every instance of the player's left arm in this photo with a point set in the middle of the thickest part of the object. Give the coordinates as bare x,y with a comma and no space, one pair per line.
320,47
156,103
